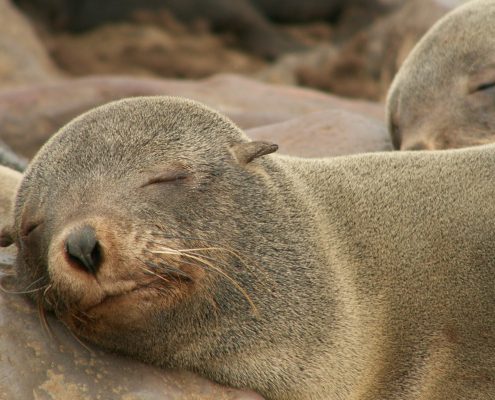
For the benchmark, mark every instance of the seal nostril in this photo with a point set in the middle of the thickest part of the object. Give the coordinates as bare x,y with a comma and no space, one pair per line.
83,248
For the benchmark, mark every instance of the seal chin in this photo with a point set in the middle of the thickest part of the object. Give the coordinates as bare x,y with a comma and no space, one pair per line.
120,301
109,300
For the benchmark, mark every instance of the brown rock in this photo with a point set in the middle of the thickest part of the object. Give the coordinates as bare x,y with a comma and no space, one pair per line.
326,133
366,64
147,50
28,116
23,59
288,68
37,366
240,20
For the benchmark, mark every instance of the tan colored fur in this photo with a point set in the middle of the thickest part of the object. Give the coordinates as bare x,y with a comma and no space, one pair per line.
371,276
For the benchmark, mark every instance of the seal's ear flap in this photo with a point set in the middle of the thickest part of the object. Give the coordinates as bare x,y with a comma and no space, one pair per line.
6,236
246,152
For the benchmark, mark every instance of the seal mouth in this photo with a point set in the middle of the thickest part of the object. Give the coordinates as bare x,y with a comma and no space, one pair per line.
91,318
145,289
110,299
134,297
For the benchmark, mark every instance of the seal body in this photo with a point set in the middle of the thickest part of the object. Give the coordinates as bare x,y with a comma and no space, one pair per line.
442,97
165,234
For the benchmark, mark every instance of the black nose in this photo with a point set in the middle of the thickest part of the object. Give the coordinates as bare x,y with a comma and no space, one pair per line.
83,248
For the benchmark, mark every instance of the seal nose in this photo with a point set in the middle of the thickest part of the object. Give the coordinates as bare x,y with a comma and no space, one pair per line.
83,248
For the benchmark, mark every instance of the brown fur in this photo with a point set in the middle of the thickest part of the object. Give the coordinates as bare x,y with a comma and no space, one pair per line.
359,277
443,95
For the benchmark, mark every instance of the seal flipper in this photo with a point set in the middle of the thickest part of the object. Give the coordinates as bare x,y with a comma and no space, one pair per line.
246,152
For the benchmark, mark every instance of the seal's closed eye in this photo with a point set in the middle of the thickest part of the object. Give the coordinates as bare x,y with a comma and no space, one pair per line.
482,80
485,86
170,176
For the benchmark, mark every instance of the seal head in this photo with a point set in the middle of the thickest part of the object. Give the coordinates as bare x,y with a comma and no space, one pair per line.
112,220
443,95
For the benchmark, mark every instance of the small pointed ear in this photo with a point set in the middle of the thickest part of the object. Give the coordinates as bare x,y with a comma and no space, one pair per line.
244,153
6,236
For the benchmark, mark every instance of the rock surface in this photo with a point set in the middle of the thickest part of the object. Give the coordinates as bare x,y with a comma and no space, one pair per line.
193,39
365,64
23,59
148,50
326,134
28,116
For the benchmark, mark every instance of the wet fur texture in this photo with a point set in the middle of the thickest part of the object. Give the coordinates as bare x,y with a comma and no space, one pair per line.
360,277
443,95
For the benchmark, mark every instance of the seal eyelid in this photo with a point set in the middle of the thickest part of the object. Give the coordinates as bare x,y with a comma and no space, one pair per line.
167,177
482,80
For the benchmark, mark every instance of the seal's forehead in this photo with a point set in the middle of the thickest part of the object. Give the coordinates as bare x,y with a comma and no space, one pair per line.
125,137
140,128
456,43
163,118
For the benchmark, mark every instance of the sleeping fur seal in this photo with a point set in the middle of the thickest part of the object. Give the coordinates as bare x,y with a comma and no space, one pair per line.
443,95
158,230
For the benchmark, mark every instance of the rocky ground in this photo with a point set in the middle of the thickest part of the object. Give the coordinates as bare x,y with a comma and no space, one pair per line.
355,56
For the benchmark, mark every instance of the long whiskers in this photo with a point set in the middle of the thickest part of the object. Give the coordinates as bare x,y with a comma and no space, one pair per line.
24,291
169,270
209,263
216,246
34,282
42,312
76,338
146,268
